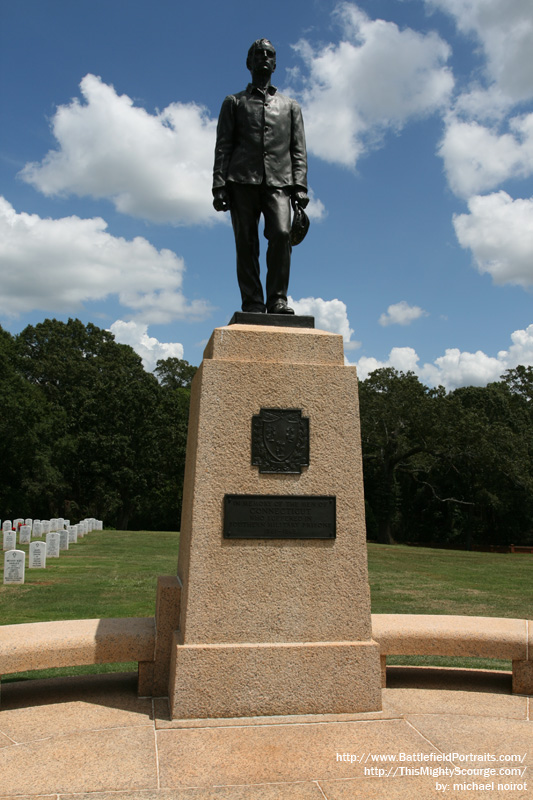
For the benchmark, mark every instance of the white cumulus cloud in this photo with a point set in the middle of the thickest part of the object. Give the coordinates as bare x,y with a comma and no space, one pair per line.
377,78
150,349
330,315
499,232
59,264
456,368
504,29
154,166
401,314
478,158
316,210
404,359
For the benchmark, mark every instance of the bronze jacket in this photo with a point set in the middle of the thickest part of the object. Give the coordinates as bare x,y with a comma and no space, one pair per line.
260,136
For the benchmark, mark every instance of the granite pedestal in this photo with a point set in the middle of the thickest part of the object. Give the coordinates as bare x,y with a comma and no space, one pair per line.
273,626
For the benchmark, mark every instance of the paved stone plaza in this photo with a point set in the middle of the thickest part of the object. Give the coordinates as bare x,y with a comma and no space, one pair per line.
92,738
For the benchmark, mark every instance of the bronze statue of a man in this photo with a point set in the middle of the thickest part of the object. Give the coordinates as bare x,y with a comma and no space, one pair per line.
260,165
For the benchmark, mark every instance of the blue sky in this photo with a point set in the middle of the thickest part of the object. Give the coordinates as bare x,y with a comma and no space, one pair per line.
419,124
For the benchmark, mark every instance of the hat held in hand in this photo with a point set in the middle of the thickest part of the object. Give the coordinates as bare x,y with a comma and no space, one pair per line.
300,225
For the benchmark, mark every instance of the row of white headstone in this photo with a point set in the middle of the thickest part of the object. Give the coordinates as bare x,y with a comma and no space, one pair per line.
40,527
15,560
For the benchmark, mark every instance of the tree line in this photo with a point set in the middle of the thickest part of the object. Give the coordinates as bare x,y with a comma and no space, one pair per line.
450,468
85,431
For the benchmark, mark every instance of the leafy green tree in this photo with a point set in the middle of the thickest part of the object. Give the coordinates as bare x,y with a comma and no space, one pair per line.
110,439
488,463
170,419
25,424
451,468
175,373
396,426
520,382
104,438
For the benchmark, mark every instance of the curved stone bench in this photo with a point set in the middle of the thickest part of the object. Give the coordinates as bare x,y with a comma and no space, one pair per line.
68,643
468,637
76,642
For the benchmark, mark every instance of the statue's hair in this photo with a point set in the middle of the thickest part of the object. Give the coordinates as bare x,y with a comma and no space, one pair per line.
251,51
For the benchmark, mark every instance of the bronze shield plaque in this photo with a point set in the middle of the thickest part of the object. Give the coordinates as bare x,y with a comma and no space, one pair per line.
280,440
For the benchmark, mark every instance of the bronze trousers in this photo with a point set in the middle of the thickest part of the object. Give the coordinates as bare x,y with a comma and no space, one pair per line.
247,203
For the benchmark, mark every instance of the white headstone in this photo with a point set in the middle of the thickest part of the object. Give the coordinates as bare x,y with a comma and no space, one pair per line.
6,525
63,540
46,526
14,563
37,530
18,521
10,540
61,524
52,545
67,523
28,522
72,531
99,525
79,531
25,534
37,555
53,524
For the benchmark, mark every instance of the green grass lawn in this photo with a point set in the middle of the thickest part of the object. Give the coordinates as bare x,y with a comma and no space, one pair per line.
114,574
106,574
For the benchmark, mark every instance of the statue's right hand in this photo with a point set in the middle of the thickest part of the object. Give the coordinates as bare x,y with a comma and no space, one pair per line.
221,200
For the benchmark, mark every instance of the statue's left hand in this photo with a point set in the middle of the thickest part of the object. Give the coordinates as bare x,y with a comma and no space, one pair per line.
221,200
301,198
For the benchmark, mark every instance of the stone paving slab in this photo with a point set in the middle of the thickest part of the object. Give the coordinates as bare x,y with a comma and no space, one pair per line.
29,797
473,704
5,741
35,710
278,753
285,791
465,735
92,761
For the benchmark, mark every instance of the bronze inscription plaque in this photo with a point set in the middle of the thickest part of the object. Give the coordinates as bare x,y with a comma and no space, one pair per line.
268,516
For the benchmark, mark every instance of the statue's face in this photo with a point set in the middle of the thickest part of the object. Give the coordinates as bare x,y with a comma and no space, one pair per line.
263,59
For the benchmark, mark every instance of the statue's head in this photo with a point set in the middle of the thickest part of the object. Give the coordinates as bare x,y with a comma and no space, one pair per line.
261,49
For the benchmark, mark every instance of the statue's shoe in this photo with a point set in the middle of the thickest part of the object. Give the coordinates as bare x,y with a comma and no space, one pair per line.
280,308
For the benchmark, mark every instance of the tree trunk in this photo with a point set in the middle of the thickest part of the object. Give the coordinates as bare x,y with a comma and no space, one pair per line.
385,532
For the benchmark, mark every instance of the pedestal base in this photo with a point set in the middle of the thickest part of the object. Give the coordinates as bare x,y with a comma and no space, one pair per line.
249,680
273,625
